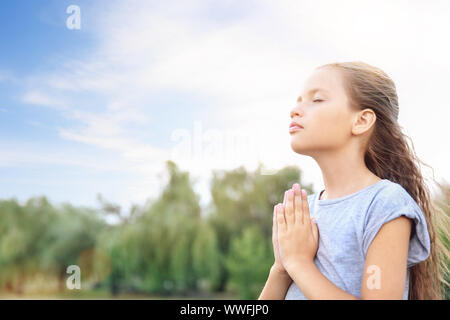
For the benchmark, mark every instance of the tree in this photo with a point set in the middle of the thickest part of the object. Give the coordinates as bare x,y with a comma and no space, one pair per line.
249,262
206,258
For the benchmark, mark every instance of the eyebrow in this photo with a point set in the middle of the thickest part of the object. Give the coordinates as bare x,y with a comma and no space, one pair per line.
311,92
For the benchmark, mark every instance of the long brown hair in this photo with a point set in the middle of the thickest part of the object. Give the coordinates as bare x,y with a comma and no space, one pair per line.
389,156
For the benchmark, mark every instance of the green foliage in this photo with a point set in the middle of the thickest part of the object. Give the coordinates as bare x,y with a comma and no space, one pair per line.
249,262
443,202
164,247
38,238
206,257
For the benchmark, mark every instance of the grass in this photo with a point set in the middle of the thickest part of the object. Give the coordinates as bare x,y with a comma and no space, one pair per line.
105,295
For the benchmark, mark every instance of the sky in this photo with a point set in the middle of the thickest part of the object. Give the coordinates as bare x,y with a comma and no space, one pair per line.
208,84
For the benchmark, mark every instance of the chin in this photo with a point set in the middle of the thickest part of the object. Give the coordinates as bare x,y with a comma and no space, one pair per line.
297,147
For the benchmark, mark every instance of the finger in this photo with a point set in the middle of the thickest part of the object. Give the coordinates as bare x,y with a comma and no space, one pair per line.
284,199
315,229
297,203
289,208
306,215
281,222
274,221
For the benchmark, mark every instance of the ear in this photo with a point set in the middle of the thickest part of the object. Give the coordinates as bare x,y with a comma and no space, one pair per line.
364,120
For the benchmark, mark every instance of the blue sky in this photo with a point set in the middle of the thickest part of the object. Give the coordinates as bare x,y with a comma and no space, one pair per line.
99,110
34,38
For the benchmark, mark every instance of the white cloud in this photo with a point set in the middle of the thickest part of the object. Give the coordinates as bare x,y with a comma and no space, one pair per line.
39,98
33,155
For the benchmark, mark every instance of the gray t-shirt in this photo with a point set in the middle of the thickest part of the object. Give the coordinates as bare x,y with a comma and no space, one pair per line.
347,226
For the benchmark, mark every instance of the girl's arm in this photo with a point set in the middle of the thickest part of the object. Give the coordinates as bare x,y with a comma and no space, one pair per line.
384,272
276,285
386,261
314,285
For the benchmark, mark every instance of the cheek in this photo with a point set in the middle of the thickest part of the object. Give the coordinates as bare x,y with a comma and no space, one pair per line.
330,123
330,127
325,129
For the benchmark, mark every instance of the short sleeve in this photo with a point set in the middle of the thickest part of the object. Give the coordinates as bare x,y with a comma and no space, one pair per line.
391,204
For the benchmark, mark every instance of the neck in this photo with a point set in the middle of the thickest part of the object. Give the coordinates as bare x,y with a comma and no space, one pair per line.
344,172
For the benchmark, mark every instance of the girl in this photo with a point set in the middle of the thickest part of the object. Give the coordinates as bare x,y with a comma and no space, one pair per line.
369,234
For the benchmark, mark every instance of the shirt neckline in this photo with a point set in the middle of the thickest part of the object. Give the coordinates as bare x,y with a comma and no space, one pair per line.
335,200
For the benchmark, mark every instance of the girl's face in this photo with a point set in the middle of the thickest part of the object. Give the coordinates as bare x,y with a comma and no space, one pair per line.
324,114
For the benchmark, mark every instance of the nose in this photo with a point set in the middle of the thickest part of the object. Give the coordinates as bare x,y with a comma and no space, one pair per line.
295,112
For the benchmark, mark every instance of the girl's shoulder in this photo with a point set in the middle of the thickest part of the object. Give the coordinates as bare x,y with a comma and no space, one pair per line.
392,194
391,202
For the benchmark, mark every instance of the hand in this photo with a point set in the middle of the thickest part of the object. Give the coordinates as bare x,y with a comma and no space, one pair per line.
277,266
298,235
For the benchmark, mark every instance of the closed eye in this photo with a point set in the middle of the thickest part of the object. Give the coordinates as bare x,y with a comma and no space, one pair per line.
317,100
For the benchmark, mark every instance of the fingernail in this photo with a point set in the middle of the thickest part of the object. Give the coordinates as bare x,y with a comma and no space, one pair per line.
291,193
304,192
295,186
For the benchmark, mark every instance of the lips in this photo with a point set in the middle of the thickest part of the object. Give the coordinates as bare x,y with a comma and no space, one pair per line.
295,125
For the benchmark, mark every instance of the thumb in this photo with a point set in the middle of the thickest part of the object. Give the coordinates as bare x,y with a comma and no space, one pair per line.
315,229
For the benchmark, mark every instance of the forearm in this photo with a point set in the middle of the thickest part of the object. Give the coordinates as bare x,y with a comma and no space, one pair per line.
314,285
276,286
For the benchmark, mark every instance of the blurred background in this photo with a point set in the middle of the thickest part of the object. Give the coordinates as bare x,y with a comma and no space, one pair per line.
147,141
